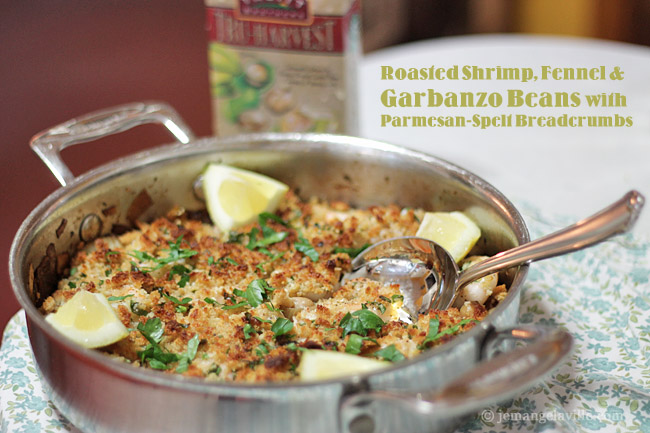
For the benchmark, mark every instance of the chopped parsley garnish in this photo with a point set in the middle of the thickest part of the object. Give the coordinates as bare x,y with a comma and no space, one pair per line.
181,270
181,305
265,216
256,293
234,306
354,344
381,307
352,252
235,237
281,326
269,236
157,358
220,261
186,358
142,256
249,331
434,332
175,253
262,350
273,257
210,301
118,298
135,308
352,325
152,330
360,322
389,353
294,347
304,246
176,301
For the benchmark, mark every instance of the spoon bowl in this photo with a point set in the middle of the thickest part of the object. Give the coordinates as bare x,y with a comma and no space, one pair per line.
430,278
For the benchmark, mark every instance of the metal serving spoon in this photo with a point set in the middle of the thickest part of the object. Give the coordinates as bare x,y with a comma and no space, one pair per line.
429,277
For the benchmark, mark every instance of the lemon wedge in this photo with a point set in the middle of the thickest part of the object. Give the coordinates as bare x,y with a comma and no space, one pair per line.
327,364
453,231
235,197
88,319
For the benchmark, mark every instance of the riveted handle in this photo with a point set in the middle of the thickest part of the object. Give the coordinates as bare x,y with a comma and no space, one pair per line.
492,381
48,144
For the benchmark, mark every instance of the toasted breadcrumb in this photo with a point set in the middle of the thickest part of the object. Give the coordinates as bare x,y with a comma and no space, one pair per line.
194,280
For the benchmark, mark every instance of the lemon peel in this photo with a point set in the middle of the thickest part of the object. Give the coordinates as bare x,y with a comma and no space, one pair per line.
235,197
453,231
327,364
88,319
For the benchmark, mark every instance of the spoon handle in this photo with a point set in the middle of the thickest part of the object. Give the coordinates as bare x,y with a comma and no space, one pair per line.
614,219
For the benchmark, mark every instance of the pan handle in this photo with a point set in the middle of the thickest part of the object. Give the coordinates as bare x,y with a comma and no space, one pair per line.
498,379
48,144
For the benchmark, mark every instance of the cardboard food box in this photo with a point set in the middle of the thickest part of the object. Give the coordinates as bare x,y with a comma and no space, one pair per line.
283,65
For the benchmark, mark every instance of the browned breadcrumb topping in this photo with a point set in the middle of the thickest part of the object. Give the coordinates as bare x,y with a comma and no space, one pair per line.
202,294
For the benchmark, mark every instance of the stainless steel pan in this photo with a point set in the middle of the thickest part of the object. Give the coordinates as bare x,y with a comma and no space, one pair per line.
99,394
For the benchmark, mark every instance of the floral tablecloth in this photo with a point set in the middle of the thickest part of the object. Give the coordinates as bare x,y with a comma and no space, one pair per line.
601,295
